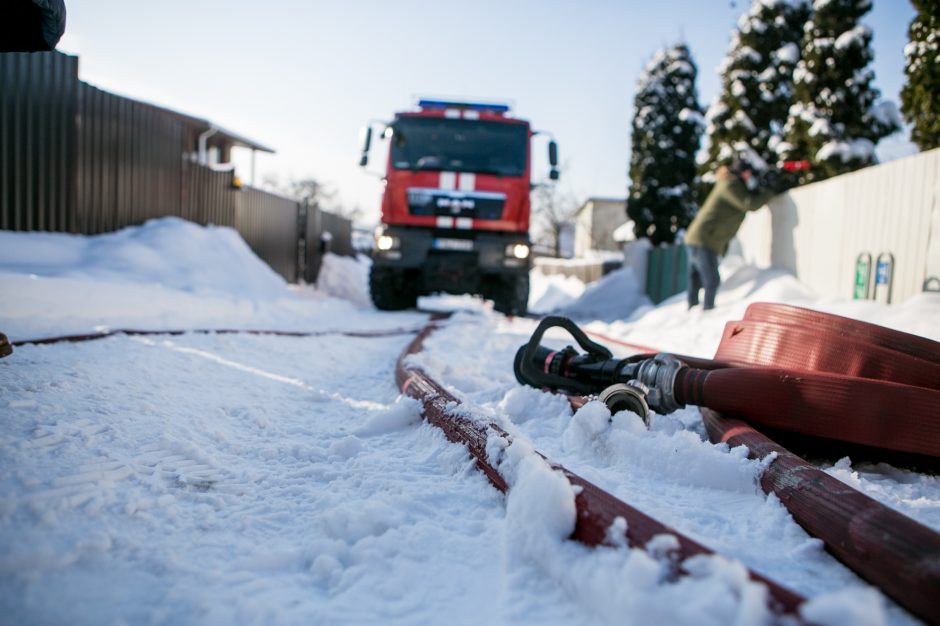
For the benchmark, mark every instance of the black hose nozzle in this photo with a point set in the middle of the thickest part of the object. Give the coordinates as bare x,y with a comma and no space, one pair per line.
650,378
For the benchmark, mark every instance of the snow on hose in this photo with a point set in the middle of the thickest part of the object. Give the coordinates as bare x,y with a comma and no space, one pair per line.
893,552
815,374
597,510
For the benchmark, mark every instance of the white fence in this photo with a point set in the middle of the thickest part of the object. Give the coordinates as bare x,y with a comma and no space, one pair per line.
817,232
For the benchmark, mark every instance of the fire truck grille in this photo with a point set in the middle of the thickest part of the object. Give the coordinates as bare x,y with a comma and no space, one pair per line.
477,205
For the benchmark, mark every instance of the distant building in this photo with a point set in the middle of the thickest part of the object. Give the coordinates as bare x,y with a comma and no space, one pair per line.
566,240
595,223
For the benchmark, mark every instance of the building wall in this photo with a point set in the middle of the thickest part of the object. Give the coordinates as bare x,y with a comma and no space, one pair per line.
582,230
818,231
595,225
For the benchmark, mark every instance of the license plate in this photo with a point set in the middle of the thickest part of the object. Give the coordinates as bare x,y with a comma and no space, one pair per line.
441,243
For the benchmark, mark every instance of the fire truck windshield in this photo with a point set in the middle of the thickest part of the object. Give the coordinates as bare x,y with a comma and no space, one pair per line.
424,143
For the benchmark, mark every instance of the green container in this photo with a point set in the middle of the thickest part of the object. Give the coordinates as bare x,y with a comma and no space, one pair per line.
666,272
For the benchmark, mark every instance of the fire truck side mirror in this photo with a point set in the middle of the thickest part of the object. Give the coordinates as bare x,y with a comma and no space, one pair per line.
553,155
366,135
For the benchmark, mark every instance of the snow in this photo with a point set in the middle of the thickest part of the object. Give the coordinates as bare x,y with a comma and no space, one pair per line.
687,114
788,53
551,292
886,113
615,296
625,232
856,37
852,149
234,479
820,126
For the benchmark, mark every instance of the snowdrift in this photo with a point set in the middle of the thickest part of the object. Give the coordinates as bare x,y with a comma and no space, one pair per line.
246,479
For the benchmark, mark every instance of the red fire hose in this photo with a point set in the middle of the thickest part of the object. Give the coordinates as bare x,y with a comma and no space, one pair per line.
848,380
827,376
597,510
890,550
823,375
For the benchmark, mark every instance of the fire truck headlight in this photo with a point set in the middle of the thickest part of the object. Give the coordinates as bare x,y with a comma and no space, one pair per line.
386,242
517,251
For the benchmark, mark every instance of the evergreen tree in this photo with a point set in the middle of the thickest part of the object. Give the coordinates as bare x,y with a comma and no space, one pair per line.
667,128
746,118
920,98
836,120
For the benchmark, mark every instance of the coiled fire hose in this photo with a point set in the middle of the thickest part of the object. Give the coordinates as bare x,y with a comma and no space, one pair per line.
772,373
802,371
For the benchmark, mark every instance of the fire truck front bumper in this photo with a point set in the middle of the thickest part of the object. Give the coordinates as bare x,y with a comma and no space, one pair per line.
466,252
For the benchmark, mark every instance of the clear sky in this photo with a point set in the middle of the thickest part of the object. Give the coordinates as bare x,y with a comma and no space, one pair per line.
302,76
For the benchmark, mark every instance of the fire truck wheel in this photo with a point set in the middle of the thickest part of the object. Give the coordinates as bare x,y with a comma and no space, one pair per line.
388,290
510,295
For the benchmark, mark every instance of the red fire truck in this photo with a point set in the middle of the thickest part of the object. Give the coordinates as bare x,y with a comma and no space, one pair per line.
455,210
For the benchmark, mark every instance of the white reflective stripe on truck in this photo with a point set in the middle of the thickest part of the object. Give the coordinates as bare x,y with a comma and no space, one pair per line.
466,181
448,181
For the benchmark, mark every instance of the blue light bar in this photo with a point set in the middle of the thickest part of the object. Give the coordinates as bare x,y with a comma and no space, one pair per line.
476,106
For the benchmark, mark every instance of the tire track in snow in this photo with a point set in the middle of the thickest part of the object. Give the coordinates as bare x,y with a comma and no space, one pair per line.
243,479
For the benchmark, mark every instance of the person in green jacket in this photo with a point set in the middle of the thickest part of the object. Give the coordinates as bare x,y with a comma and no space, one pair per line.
707,237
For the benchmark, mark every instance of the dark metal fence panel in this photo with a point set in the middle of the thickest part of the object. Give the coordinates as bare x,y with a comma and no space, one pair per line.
340,230
313,254
38,100
269,224
338,241
129,162
208,196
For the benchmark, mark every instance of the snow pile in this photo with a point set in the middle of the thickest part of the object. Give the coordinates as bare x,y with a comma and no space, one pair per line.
234,479
615,296
168,253
624,586
346,278
165,274
550,292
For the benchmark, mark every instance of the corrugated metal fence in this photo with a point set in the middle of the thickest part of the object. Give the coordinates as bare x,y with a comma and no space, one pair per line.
74,158
269,224
38,109
129,163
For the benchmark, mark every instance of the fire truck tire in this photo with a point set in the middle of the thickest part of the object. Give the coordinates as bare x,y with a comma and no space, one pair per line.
388,290
510,295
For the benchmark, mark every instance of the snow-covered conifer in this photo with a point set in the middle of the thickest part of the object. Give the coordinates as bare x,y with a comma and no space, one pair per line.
836,118
920,98
746,118
667,129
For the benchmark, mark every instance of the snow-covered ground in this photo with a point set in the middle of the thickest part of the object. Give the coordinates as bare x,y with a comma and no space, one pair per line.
242,479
